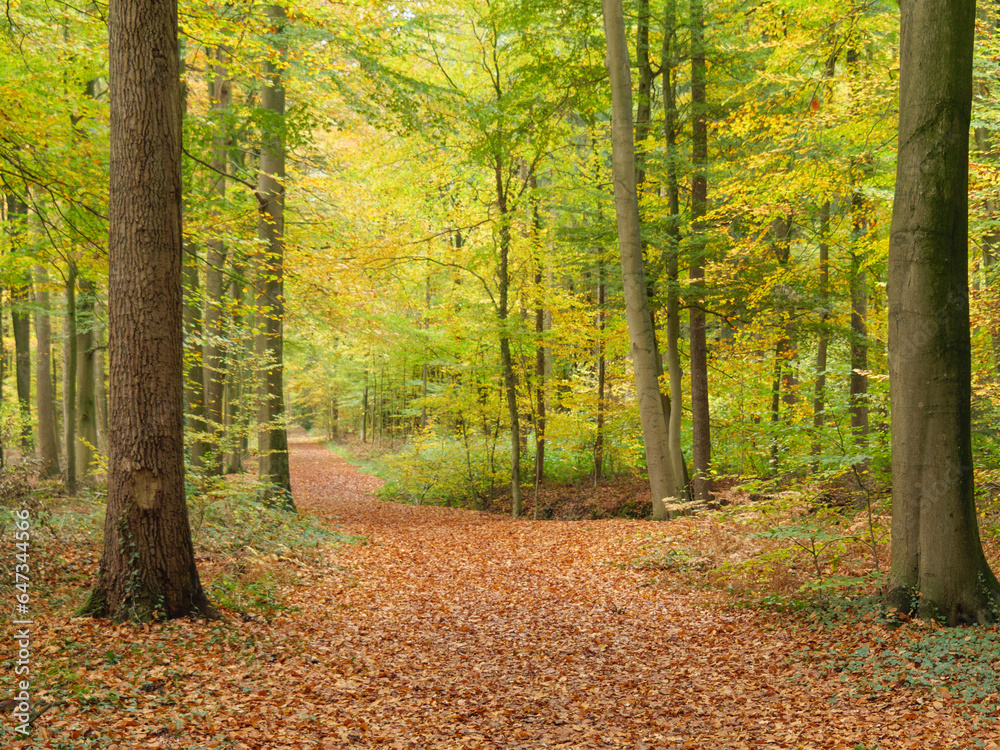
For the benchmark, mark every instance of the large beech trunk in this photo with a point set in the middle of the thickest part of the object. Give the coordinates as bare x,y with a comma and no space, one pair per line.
147,567
938,566
645,357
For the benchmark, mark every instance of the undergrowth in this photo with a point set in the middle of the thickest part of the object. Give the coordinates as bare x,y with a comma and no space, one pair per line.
242,547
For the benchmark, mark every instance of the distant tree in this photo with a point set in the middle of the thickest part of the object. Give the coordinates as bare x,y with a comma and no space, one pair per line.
147,567
645,357
938,566
272,437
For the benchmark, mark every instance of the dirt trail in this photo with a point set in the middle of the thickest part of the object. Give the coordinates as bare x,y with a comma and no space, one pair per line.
455,629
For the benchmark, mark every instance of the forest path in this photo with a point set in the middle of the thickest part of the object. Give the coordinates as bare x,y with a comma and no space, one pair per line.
456,629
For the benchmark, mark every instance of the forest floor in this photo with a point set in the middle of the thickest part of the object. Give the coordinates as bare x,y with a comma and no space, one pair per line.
432,627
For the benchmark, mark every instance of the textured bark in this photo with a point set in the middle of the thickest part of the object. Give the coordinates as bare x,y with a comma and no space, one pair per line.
938,566
213,368
700,425
147,568
645,358
272,440
86,401
48,443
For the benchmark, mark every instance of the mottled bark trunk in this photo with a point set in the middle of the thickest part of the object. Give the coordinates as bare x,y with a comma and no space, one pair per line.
147,567
938,566
272,439
645,357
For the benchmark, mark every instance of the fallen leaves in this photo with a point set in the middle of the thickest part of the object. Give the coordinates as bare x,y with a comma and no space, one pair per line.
454,629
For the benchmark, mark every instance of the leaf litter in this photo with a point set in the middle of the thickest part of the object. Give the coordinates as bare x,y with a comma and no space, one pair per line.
447,628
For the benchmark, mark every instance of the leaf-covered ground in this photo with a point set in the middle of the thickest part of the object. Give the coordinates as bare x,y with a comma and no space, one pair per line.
453,629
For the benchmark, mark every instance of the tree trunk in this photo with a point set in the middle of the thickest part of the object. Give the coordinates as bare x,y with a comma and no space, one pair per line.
236,414
700,425
819,391
506,361
194,391
783,384
938,566
213,369
675,374
643,107
21,328
101,390
601,367
272,440
20,318
823,343
859,324
69,380
539,345
645,357
86,402
48,443
147,567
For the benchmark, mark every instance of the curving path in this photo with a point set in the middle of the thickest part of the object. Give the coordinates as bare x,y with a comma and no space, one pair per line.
455,629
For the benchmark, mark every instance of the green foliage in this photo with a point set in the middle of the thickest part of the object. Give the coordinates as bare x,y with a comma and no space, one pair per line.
961,661
227,517
244,595
465,471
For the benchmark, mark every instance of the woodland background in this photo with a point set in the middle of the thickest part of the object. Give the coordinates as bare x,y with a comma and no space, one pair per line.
399,238
448,189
